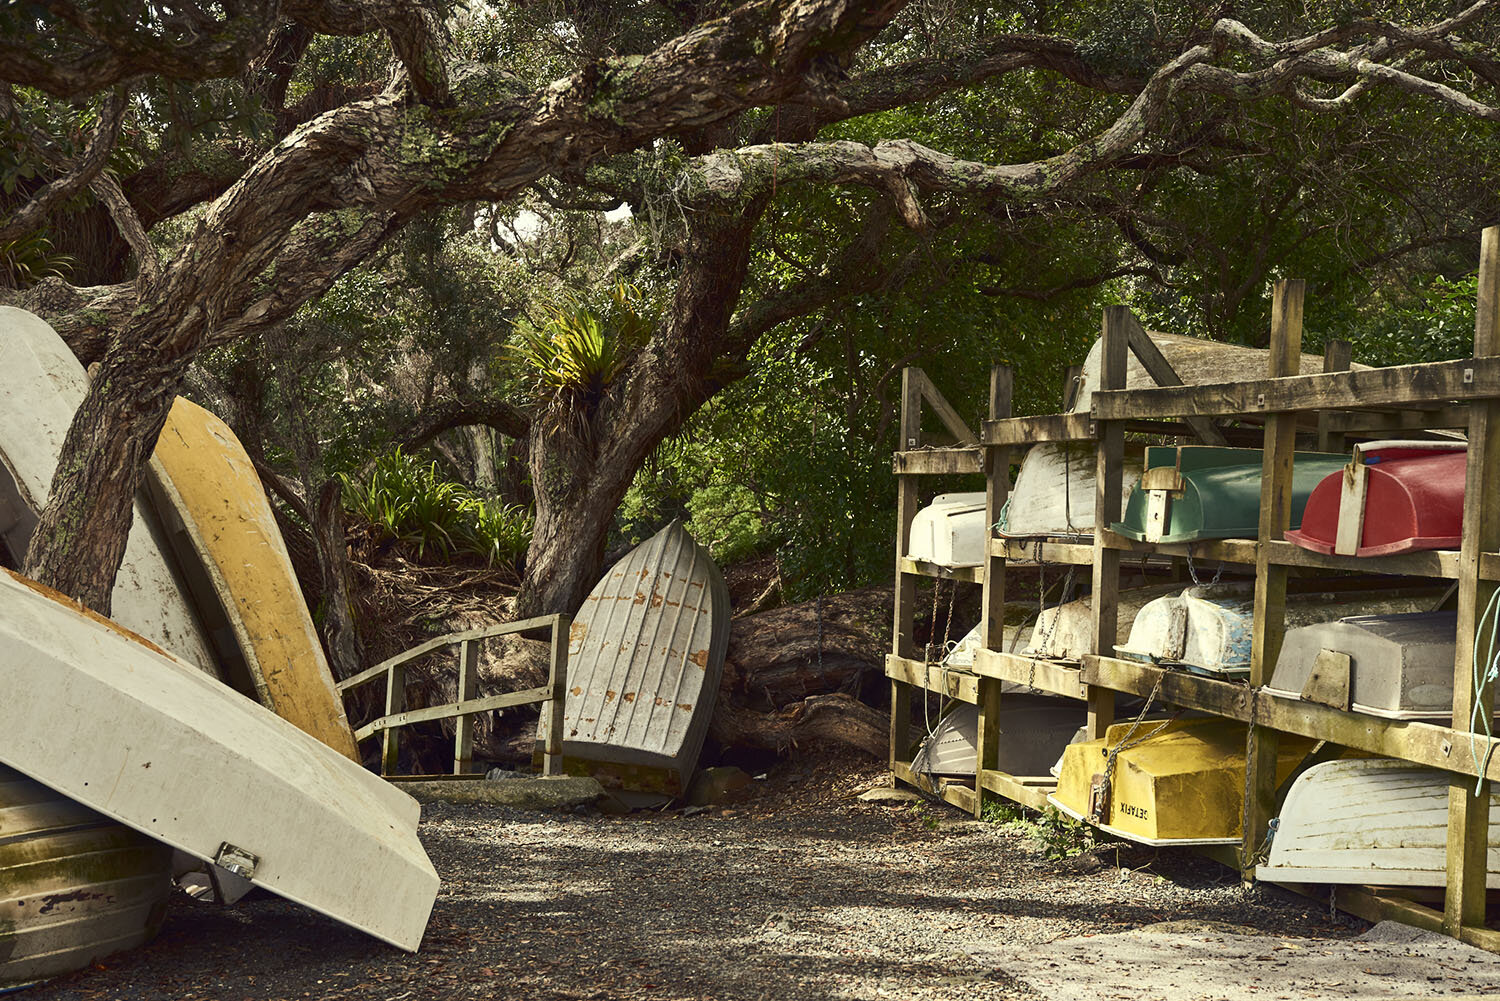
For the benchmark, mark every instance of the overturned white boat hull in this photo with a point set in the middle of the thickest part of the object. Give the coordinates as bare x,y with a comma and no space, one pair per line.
138,735
1053,495
1034,730
41,386
1065,632
644,660
950,531
1372,821
1396,666
1208,628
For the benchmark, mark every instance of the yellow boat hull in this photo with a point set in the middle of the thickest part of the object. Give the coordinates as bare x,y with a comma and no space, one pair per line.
225,525
1183,786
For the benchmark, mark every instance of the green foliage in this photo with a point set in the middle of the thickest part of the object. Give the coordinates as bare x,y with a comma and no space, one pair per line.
28,259
1432,322
1004,812
413,505
1060,836
580,349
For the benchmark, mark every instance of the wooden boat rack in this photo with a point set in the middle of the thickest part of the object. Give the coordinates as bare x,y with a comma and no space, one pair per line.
1323,408
393,670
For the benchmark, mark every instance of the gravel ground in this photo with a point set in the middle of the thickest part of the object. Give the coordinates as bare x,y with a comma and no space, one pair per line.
802,892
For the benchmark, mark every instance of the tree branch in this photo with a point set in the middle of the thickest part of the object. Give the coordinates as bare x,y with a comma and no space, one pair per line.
31,215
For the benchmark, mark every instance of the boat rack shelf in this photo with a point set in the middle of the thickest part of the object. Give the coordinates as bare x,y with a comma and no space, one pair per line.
1324,407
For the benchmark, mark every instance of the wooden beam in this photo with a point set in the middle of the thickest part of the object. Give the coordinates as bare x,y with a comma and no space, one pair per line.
992,600
1023,551
1030,791
906,511
468,689
961,685
1337,357
395,701
1109,458
391,721
1398,385
1033,430
1269,624
503,629
1156,365
937,462
1468,806
1054,676
557,686
1383,424
950,791
922,568
955,424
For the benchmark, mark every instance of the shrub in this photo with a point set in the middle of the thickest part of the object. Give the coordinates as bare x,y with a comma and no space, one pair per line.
410,504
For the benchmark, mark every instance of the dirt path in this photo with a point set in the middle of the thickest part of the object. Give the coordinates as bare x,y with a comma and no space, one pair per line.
800,893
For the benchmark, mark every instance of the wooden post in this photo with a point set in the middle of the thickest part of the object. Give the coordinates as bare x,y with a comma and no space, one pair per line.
395,702
1338,356
1110,457
557,680
468,688
992,607
1468,808
1270,581
906,584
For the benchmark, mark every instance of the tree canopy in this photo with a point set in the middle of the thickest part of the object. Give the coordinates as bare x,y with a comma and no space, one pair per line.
425,207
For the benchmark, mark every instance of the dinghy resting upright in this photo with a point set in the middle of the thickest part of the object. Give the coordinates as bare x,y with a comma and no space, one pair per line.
1183,785
644,661
1392,497
74,886
121,726
226,537
41,386
1193,492
1372,821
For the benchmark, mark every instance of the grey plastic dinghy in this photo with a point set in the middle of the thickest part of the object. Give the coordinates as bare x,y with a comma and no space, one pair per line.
644,660
1034,730
1398,666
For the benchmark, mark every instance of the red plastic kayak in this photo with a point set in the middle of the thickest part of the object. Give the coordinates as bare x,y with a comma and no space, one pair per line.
1413,498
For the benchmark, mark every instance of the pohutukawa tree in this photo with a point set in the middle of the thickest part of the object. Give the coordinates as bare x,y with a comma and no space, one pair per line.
743,99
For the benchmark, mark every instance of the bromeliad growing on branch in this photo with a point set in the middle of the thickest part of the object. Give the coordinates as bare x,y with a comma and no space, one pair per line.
747,94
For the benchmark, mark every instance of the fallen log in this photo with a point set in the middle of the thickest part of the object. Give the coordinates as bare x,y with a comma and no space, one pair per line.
836,718
782,656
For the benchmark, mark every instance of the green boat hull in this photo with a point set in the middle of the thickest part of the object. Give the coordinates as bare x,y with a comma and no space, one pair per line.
1219,495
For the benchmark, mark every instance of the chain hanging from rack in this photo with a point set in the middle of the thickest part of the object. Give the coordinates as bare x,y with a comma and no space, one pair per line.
1099,793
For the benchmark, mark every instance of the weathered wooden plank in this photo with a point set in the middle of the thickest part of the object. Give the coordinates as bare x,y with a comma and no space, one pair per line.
955,424
992,600
1032,430
1398,385
468,689
906,511
1351,527
937,462
1054,676
395,701
951,792
1030,791
503,629
1269,624
1018,551
1119,322
1468,806
557,686
961,685
391,721
1427,744
922,568
1375,906
1342,422
1156,365
1337,357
